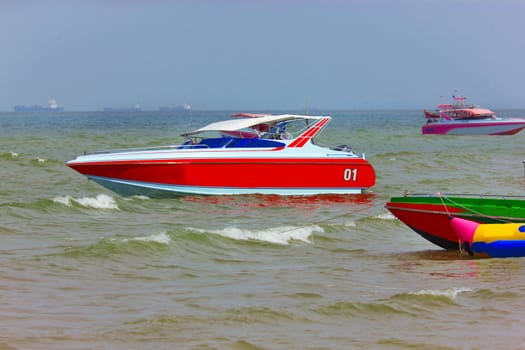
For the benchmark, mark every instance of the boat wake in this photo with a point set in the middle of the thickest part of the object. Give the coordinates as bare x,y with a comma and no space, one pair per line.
277,235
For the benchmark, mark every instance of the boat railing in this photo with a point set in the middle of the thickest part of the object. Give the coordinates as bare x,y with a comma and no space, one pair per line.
207,143
141,149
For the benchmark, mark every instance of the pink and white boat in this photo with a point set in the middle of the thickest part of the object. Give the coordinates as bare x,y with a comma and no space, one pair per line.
266,154
459,119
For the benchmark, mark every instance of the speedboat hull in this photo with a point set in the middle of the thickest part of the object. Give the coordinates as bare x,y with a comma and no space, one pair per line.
261,154
492,240
230,176
497,126
429,215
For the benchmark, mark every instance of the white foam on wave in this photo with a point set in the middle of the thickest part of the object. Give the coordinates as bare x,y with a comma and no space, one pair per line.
101,201
345,224
277,235
350,224
161,237
137,197
386,216
451,293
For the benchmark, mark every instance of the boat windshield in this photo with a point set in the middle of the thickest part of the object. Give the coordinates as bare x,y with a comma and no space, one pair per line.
286,130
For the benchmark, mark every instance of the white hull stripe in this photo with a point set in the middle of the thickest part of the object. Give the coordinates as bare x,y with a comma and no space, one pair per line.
127,188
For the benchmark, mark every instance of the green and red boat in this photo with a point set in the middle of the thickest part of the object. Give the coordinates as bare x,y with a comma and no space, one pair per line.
429,214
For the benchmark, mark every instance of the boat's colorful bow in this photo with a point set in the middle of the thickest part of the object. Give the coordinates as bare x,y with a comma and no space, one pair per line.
428,214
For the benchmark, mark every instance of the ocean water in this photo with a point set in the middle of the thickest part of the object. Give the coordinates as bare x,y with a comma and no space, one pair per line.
82,268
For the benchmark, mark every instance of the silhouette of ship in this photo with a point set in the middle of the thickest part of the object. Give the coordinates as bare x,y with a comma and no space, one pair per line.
52,106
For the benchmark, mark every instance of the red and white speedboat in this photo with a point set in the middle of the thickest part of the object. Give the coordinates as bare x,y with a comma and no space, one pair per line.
266,154
460,119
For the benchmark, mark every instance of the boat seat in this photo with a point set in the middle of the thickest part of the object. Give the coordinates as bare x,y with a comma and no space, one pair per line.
253,143
215,142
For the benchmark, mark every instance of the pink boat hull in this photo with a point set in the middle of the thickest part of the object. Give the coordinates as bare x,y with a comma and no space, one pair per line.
475,127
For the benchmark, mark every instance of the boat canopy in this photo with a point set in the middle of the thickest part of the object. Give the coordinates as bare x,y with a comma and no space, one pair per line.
243,123
481,111
250,115
468,112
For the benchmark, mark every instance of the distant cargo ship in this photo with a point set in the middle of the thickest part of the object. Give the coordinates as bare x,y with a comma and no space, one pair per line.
52,106
182,107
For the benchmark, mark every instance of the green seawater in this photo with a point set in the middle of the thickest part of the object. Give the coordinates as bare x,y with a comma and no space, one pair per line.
83,268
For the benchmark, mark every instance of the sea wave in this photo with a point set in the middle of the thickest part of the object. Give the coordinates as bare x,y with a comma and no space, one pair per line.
410,303
113,248
359,309
101,201
276,235
422,302
349,224
9,155
385,216
162,238
137,197
450,293
38,161
488,294
256,315
17,156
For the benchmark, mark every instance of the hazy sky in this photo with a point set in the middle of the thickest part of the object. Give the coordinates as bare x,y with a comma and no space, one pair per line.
261,55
